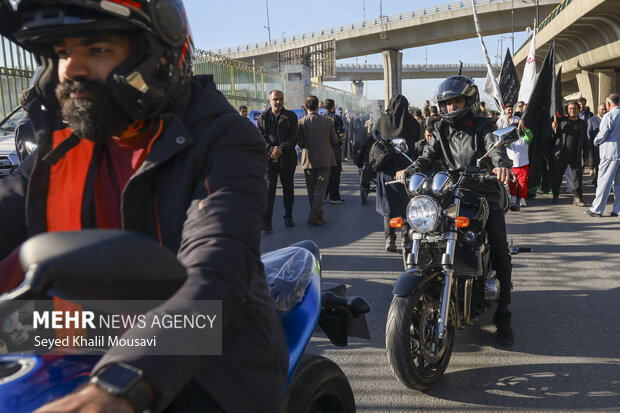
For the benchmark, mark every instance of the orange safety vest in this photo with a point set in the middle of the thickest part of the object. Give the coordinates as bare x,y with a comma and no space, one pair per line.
64,204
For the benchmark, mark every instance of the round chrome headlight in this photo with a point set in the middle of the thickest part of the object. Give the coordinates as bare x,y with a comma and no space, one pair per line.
423,214
415,182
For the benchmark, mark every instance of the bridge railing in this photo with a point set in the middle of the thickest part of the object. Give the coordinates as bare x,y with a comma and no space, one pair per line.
409,66
16,68
545,22
367,23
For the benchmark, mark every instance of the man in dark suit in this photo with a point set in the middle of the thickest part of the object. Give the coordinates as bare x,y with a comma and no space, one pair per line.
316,136
333,188
279,128
570,146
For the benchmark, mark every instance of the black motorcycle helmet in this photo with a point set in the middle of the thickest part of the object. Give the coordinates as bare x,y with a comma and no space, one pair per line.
452,87
160,64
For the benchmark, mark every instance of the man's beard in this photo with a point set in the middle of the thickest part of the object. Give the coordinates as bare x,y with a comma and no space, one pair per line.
96,117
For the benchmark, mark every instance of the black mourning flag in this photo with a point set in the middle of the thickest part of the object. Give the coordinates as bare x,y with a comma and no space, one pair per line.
557,108
509,84
537,118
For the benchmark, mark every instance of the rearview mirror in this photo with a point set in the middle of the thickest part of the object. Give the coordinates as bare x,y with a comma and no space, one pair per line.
400,145
506,135
100,265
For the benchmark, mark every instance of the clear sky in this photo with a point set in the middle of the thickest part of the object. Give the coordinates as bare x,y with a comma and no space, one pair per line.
217,24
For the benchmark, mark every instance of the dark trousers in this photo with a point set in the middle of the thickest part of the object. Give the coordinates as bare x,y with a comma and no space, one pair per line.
596,161
500,255
316,184
559,166
287,175
333,187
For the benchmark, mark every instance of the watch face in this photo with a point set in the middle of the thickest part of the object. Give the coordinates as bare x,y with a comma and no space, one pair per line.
119,376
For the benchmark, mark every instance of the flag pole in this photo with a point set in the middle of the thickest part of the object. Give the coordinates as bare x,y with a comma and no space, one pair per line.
494,84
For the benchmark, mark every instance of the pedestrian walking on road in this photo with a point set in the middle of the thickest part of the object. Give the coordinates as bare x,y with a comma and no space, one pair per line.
333,188
316,136
391,200
279,129
570,146
608,142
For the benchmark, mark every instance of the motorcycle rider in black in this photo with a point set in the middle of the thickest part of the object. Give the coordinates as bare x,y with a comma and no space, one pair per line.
460,138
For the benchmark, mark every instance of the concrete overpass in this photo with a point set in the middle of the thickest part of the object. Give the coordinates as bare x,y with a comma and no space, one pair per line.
587,36
356,72
391,34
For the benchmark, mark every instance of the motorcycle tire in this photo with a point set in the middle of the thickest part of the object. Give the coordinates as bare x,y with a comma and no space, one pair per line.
402,338
318,385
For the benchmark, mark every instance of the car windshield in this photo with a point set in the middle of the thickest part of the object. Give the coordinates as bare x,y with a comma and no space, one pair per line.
10,123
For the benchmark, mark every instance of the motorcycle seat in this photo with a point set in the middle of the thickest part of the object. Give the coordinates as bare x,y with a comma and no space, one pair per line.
288,271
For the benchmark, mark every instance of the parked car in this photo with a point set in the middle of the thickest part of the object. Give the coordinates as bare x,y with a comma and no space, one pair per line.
9,160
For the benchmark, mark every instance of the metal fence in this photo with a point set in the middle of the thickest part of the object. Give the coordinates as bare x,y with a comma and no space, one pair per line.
249,85
16,69
240,82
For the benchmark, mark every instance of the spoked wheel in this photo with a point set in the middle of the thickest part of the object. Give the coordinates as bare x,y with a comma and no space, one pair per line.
318,386
417,356
363,194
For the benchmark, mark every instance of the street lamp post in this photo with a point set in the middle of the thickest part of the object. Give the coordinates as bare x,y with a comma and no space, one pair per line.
268,27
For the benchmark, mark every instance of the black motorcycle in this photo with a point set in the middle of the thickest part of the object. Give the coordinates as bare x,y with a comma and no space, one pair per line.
448,278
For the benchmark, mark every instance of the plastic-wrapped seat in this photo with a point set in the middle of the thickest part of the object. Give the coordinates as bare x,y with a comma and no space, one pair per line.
289,271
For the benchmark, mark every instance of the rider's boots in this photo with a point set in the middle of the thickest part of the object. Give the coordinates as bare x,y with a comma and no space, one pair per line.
501,319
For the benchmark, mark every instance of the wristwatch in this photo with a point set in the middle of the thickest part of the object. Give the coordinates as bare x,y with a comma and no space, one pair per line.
123,380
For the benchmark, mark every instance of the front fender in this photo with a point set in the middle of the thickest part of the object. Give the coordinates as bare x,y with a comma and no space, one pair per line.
410,280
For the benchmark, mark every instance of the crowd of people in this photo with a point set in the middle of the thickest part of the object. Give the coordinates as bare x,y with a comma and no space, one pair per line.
573,140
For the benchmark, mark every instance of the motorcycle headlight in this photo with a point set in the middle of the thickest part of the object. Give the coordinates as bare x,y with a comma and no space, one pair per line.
423,214
415,182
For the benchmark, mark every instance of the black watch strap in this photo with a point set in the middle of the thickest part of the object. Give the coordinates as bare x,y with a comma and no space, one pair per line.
124,380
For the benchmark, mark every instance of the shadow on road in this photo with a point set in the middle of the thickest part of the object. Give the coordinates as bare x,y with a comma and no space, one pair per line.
537,386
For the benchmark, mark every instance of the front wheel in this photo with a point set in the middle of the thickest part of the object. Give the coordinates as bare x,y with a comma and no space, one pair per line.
318,386
416,355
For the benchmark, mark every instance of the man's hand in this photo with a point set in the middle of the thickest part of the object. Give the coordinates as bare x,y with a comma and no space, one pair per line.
400,175
554,126
88,400
276,152
503,174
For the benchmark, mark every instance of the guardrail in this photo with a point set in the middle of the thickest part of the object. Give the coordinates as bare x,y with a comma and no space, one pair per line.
545,22
367,23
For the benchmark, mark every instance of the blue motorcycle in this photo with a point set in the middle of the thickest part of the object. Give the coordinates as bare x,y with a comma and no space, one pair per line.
75,266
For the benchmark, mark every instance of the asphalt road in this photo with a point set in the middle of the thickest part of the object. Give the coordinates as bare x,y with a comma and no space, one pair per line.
566,303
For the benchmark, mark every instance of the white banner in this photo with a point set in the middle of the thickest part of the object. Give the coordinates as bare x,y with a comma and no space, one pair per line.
494,86
528,80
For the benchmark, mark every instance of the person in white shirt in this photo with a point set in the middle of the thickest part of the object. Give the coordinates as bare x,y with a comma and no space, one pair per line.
608,142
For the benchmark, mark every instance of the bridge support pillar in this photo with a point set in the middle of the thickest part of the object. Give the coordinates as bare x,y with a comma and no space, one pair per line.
588,87
607,83
298,85
392,73
357,87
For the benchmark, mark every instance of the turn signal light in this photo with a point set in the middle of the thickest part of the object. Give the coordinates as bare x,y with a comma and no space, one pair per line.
461,222
396,222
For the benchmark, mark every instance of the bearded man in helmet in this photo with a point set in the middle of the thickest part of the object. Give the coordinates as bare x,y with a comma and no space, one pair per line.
130,139
460,138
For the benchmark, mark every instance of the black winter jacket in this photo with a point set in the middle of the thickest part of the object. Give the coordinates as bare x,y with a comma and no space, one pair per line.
210,212
285,134
457,149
